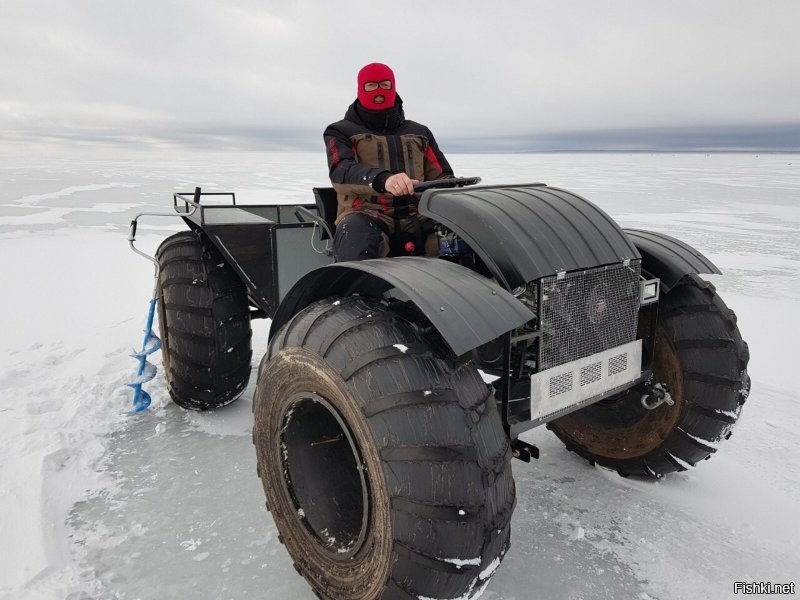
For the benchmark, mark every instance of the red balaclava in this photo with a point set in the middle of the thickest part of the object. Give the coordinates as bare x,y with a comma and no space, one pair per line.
380,98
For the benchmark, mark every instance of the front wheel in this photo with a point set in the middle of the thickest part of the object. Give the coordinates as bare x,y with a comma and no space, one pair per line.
385,466
701,360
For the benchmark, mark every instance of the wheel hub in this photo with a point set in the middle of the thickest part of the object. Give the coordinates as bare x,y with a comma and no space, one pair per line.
324,476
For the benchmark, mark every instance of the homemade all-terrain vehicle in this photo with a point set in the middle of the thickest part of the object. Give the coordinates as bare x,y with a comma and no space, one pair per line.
383,452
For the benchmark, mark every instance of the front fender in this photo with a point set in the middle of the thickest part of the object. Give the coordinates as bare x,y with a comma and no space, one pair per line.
668,258
524,232
467,309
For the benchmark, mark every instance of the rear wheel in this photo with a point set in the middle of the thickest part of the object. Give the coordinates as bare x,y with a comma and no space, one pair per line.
204,320
385,466
701,360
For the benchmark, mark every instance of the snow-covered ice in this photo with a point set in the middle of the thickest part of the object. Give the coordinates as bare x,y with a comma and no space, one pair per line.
166,504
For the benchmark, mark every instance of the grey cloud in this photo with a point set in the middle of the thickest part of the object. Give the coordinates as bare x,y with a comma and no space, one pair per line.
191,73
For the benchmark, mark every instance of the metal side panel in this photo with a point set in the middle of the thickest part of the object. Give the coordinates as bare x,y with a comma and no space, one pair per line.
249,250
525,232
466,308
296,255
268,257
668,258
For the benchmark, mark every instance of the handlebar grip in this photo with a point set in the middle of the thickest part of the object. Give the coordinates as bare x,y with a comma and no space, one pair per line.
446,183
132,231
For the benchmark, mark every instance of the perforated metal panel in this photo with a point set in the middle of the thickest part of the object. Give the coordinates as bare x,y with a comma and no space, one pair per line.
562,389
586,312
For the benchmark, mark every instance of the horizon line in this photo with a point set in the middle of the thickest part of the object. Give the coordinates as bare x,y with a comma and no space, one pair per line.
771,138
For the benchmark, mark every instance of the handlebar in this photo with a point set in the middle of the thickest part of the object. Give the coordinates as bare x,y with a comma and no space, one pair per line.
446,183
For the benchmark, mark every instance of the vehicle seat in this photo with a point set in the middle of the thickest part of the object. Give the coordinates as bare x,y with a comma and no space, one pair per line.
327,206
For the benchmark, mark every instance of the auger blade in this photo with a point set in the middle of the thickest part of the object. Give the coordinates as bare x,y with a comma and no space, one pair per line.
153,343
141,401
147,372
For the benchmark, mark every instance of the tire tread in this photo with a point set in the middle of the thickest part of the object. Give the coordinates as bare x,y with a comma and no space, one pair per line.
423,384
204,317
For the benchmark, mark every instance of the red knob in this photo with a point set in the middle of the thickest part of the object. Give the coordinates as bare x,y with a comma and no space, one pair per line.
409,247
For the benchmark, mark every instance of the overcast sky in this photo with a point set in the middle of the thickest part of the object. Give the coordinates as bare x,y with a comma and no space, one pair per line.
528,74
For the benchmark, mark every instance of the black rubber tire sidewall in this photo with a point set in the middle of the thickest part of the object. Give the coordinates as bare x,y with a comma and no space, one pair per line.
295,371
419,528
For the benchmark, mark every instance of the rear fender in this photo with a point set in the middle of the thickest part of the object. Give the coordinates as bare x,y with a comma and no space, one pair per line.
466,308
668,258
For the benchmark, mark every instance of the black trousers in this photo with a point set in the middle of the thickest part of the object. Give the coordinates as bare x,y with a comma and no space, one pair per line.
359,237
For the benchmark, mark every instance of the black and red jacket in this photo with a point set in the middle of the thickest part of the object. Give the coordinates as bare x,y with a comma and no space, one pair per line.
368,146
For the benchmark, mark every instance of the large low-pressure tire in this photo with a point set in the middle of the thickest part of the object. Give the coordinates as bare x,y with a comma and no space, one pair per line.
384,463
204,320
701,359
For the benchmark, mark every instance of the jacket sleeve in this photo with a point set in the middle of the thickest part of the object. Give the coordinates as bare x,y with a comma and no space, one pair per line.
343,165
436,165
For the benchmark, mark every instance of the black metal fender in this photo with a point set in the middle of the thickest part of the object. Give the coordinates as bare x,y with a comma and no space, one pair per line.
466,308
668,258
524,232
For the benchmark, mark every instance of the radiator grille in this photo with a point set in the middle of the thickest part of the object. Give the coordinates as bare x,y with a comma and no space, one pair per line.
586,312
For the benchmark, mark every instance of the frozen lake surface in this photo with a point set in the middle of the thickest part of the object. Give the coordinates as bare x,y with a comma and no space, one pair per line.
166,504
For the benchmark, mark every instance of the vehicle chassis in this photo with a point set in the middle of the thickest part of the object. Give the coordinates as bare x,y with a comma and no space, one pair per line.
271,247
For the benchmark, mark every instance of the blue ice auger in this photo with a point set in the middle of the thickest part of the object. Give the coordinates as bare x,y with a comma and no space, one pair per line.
147,370
151,342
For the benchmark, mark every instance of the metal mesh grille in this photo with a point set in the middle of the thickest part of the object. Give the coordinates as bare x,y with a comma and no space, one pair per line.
586,312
